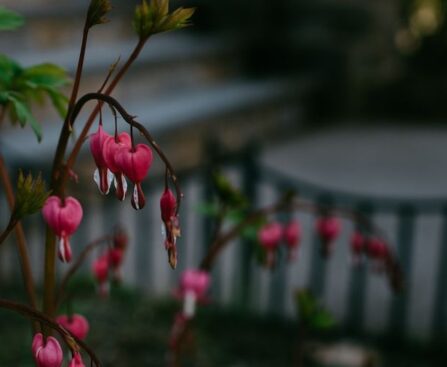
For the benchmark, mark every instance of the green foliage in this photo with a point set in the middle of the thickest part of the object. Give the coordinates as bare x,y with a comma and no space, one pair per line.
311,313
155,18
97,12
9,19
228,194
31,195
20,87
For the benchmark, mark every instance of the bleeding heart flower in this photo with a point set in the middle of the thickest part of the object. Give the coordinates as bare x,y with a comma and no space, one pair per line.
102,176
135,163
193,287
269,237
120,238
377,249
100,269
357,246
292,237
328,229
47,353
171,227
110,148
76,324
76,361
63,217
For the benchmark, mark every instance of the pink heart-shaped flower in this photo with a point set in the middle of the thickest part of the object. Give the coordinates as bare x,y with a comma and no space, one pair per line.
76,324
134,163
76,361
47,353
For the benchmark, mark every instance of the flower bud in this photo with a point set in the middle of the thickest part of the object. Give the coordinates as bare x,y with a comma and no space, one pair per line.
75,324
47,353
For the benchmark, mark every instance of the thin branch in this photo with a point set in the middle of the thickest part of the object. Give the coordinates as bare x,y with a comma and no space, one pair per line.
22,247
7,231
80,141
72,341
77,264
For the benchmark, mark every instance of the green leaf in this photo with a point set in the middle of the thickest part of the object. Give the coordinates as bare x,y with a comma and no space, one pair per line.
10,20
97,12
25,116
45,75
208,209
31,195
322,320
9,69
180,18
59,101
227,193
143,21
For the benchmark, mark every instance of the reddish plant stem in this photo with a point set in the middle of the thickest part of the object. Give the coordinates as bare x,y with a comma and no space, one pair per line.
72,341
57,188
80,141
77,264
21,242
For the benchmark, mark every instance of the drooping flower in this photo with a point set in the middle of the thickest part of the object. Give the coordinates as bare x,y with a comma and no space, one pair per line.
120,238
135,162
269,237
102,175
193,287
357,246
292,237
171,227
76,361
47,353
116,258
76,324
63,217
100,269
110,148
328,229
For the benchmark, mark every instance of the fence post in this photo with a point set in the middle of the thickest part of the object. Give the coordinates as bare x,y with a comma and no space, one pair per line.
250,179
439,318
399,306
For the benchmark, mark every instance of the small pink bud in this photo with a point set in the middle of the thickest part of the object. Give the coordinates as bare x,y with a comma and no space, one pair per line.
292,237
102,175
168,205
100,269
195,281
63,219
328,229
116,257
377,249
47,353
269,237
357,243
120,239
76,324
110,148
76,361
135,163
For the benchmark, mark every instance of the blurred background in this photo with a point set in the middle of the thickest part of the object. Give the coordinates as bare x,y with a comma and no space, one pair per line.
341,100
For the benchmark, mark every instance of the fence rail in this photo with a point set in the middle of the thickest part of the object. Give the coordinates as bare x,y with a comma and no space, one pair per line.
416,227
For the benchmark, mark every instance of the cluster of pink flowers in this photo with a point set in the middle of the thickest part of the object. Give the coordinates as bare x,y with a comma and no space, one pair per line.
110,262
371,248
117,158
48,353
272,234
